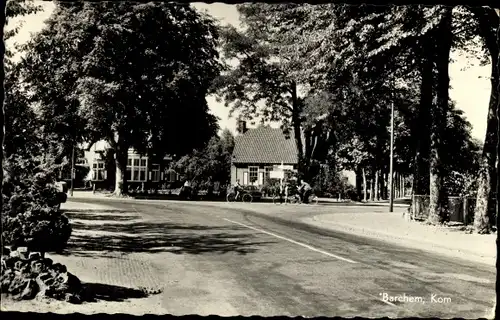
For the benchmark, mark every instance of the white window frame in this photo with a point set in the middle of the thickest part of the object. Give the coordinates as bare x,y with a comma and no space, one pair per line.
98,170
250,181
171,176
155,172
267,172
132,167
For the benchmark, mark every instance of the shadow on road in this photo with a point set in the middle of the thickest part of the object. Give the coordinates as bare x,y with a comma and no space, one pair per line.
100,215
94,292
118,236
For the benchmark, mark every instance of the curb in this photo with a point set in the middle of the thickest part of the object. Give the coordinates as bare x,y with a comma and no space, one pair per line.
405,241
320,202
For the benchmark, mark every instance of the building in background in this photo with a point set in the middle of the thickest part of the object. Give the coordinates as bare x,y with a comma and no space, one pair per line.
257,151
141,172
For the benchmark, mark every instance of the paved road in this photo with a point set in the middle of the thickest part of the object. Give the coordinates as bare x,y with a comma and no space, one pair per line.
229,262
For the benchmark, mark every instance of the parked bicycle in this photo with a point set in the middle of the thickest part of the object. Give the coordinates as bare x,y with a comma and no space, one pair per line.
243,196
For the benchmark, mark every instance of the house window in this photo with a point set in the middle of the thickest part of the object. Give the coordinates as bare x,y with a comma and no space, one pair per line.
170,176
253,174
137,169
98,171
155,172
268,172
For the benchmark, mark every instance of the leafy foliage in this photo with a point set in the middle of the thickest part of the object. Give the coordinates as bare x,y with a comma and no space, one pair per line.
151,90
211,164
30,214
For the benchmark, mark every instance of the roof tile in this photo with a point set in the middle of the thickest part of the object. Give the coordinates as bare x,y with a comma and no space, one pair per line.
265,145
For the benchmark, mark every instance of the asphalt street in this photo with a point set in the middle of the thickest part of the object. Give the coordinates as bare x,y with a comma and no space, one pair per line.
228,261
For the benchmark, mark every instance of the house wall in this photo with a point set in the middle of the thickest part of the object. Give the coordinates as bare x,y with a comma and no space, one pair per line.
238,172
106,180
233,174
351,176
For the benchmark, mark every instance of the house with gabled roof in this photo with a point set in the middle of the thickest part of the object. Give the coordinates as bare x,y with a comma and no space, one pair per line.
257,151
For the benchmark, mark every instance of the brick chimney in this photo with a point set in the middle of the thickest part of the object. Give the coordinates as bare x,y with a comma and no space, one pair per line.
241,126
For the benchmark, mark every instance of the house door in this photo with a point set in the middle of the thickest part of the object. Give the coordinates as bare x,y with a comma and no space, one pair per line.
245,178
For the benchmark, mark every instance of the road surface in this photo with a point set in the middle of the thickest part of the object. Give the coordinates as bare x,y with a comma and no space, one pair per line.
230,262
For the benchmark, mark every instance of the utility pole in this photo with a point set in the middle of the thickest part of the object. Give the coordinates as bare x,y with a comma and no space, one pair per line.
391,165
72,170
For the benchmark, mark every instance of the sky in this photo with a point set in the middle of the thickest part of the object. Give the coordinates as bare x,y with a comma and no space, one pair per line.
470,86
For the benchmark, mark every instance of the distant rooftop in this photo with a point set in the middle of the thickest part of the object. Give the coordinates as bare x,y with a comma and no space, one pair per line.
265,145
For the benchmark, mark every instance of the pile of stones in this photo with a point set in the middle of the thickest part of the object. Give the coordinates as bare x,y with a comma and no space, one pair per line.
27,276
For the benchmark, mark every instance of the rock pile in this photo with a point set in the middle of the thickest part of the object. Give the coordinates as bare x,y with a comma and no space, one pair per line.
28,276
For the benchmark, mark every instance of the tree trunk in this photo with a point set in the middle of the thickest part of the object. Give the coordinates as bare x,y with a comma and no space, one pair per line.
121,155
420,129
382,185
396,185
121,177
376,184
444,41
297,127
386,186
359,182
402,184
372,186
486,180
365,189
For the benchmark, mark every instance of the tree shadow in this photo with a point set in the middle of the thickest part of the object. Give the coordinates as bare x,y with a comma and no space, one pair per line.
94,292
158,237
106,214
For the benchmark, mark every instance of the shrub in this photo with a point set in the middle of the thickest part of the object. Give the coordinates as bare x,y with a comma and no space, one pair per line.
30,214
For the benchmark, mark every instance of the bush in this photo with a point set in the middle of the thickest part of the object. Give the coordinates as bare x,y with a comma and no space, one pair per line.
30,214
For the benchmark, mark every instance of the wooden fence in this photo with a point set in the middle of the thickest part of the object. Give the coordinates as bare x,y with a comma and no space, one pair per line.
459,209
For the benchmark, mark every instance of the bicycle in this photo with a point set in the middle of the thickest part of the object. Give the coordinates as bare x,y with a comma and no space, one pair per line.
295,199
245,197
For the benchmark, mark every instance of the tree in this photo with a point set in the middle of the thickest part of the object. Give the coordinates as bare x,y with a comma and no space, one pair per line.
213,163
264,83
150,92
488,22
10,9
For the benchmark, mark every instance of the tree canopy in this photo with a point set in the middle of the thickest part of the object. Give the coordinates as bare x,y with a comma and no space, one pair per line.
133,74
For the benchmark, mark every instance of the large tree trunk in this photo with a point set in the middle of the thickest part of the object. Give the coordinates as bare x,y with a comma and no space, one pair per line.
376,185
444,41
121,155
486,179
121,178
420,129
